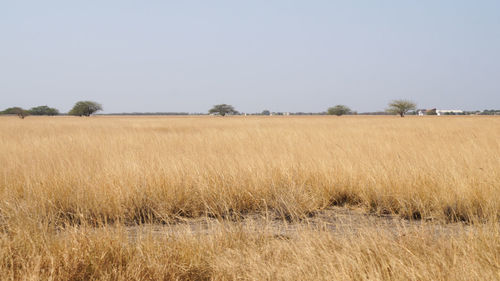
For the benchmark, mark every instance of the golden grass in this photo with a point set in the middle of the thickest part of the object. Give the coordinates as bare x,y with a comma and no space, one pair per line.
235,253
60,176
139,168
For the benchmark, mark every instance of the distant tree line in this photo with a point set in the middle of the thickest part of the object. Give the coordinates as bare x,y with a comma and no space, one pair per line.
81,108
152,113
400,107
38,110
490,112
87,108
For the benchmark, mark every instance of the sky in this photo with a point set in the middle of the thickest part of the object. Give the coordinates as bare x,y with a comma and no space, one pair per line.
281,55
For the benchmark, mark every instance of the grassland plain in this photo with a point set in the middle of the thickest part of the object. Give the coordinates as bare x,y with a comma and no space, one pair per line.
70,187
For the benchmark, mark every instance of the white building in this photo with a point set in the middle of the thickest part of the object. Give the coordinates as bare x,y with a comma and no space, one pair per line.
449,111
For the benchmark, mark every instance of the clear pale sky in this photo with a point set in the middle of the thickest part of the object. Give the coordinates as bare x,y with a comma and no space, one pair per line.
149,56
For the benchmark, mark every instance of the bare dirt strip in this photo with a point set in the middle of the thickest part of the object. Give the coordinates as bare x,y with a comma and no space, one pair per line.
338,221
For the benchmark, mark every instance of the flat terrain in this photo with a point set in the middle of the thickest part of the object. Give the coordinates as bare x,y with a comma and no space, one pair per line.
337,221
250,198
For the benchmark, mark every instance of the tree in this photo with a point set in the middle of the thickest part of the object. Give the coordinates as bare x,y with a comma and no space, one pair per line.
401,107
20,112
85,108
431,112
223,109
44,110
266,112
339,110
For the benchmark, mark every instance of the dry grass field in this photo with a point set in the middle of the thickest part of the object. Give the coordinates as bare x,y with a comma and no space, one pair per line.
72,188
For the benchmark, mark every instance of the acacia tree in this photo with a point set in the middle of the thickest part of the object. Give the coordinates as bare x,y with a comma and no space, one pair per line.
223,109
20,112
44,110
85,108
339,110
401,107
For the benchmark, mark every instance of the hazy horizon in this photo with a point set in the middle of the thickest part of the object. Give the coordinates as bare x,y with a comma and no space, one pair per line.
288,56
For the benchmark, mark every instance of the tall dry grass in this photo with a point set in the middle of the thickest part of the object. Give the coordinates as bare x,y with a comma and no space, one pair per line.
137,169
233,252
70,186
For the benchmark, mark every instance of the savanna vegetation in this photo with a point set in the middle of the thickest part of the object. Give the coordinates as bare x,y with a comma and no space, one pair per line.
77,196
339,110
85,108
